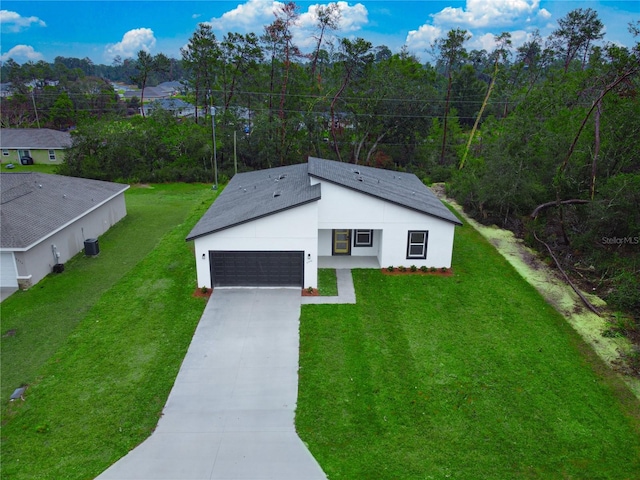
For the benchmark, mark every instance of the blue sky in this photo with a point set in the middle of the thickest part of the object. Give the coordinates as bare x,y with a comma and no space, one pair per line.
101,29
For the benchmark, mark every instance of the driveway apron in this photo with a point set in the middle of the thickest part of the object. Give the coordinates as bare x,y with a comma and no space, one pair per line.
230,414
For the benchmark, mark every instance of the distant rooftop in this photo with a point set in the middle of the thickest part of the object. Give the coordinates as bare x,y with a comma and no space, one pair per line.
34,138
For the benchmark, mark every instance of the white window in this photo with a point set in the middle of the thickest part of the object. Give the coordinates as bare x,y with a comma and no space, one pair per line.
417,244
52,155
5,152
363,238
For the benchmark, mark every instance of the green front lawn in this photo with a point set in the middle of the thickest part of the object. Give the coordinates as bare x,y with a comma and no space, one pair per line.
472,376
100,345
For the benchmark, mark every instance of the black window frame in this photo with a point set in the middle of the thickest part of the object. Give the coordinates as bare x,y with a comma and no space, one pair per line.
359,244
424,244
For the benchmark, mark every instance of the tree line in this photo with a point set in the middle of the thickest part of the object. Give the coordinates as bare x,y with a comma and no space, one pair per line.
542,138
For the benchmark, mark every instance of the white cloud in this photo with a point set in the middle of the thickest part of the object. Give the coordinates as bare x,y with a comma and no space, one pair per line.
246,17
352,19
254,15
132,42
21,54
422,39
14,22
485,13
196,15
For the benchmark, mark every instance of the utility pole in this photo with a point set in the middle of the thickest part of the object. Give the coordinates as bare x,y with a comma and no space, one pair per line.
33,99
235,155
213,134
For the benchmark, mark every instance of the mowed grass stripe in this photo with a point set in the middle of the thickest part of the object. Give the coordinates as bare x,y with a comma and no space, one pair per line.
470,376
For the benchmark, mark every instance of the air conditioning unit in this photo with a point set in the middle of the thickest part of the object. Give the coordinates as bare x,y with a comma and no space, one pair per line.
91,247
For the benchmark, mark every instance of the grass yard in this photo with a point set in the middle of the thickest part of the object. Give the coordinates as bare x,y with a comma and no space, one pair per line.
472,376
37,167
100,345
327,282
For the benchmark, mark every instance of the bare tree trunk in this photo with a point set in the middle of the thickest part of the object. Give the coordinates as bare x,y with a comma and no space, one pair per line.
359,147
374,146
446,116
588,304
596,152
484,105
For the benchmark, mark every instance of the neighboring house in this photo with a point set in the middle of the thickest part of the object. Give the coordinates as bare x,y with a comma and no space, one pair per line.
43,145
178,107
45,219
150,94
271,227
172,88
5,89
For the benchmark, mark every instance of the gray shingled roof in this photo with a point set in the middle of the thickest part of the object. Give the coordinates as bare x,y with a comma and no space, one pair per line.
34,205
253,195
34,138
404,189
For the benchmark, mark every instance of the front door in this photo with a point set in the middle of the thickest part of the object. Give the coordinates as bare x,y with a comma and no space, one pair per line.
342,242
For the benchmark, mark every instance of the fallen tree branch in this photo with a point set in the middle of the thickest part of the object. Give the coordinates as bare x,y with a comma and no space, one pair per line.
588,304
555,203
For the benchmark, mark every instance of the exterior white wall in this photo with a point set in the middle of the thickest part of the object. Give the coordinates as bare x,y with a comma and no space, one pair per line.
325,242
291,230
39,260
342,208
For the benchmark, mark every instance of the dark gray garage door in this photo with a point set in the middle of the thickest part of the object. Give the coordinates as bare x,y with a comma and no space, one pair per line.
256,269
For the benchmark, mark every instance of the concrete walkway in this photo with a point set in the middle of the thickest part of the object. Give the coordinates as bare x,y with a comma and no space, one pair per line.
346,290
230,414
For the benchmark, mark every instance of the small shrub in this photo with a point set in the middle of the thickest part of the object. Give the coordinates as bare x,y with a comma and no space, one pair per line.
432,269
204,289
424,269
402,268
413,268
310,289
443,269
390,268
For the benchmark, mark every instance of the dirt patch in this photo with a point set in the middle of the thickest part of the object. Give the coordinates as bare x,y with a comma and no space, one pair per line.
447,272
548,282
202,292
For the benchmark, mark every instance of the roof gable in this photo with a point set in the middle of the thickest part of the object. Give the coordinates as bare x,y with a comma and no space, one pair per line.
404,189
34,138
34,205
253,195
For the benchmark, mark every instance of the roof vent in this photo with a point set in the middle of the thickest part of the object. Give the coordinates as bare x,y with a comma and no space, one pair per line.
277,193
360,178
356,171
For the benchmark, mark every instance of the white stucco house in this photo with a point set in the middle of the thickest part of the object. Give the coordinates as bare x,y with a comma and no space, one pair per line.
46,219
273,227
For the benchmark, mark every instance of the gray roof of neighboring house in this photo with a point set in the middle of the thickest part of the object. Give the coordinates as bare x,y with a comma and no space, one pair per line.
404,189
250,195
149,93
170,104
34,138
171,86
253,195
35,205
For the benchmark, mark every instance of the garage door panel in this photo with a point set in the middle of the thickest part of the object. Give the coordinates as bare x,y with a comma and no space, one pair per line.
8,272
257,268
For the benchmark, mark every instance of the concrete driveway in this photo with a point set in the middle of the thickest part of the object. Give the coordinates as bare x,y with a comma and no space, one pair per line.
230,414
